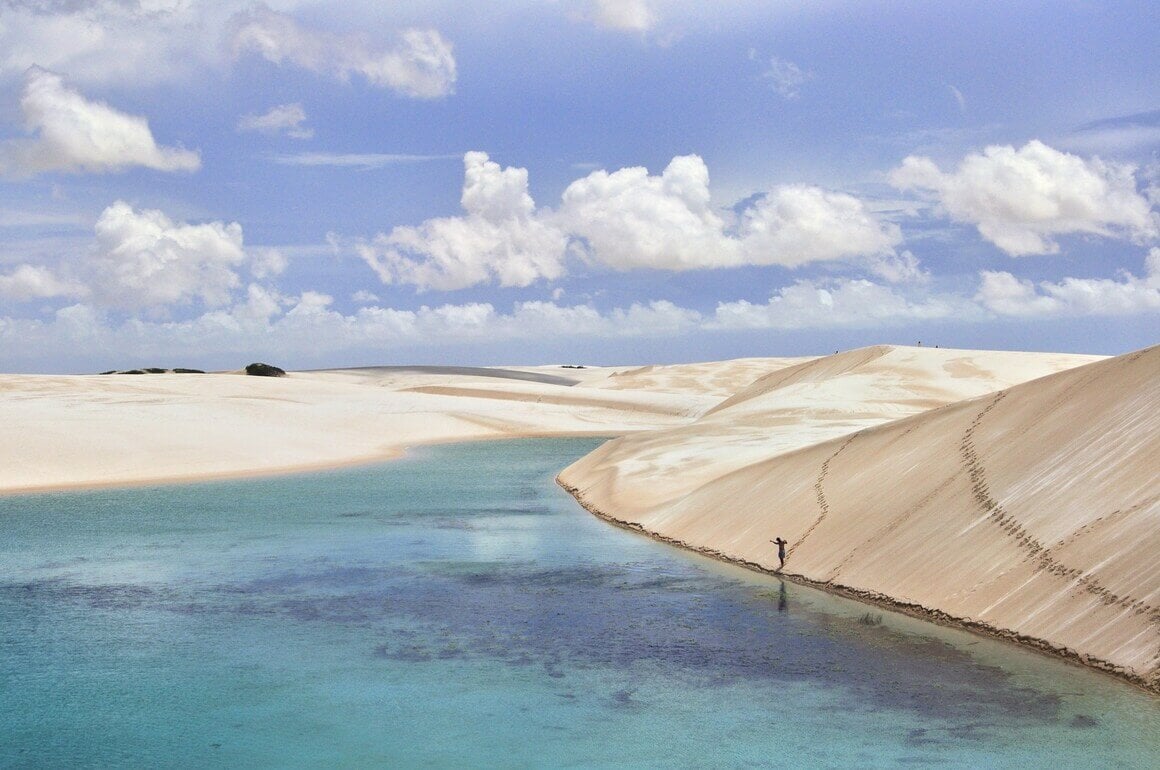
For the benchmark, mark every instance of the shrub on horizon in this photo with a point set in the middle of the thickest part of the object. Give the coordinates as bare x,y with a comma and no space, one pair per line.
264,370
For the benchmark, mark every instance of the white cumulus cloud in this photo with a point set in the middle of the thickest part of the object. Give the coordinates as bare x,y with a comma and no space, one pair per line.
420,65
1022,200
797,224
29,282
285,118
144,260
630,219
626,220
74,134
1004,294
500,237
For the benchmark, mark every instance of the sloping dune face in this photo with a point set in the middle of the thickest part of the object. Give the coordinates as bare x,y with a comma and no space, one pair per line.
1032,511
798,405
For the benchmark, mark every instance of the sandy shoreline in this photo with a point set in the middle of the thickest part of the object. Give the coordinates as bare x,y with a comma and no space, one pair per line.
1006,493
878,599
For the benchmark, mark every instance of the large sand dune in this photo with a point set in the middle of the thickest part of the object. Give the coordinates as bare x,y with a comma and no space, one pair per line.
802,403
1033,511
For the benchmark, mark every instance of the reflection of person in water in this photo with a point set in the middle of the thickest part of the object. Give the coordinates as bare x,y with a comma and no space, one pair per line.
780,550
782,601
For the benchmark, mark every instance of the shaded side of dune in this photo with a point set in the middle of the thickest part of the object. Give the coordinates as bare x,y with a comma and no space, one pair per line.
1032,513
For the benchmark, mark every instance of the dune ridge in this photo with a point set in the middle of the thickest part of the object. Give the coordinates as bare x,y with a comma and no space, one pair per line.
802,403
1031,512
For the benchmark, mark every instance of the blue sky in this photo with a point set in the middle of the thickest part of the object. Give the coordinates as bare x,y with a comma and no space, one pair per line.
572,181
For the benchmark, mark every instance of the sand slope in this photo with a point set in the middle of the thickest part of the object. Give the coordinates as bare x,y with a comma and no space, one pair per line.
802,403
1032,512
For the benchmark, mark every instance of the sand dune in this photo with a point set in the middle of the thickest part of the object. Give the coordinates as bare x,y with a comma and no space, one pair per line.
802,404
1032,512
89,430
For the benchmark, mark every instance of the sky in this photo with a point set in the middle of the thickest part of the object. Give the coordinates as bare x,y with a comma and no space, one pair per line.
207,184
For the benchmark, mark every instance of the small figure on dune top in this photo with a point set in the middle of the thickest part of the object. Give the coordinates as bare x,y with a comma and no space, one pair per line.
781,544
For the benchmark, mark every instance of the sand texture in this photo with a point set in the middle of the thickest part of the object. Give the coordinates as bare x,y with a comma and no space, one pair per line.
1032,511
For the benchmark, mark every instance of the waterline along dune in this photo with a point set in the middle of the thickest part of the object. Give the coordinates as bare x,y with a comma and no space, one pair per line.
1032,512
1015,493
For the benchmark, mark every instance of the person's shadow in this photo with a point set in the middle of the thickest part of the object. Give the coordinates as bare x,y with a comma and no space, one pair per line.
782,599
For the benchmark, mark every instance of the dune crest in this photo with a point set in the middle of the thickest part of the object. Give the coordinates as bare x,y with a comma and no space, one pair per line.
1032,512
803,403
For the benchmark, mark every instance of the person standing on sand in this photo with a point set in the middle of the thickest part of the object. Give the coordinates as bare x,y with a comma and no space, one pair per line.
780,550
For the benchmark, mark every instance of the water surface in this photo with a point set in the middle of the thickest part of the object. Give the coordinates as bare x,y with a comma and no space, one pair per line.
457,609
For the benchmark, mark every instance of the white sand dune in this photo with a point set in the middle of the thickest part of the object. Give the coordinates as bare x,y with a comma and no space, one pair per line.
952,482
66,431
800,404
1031,512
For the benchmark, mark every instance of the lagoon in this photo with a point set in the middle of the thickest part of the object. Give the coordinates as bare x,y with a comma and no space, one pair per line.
456,608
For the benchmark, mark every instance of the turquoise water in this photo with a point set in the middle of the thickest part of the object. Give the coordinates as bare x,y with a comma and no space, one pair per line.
456,609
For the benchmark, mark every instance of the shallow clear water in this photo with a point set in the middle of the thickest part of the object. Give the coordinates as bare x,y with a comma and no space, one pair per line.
457,609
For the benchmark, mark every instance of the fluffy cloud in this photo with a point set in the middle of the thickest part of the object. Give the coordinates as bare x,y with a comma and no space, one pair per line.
1004,294
143,260
421,65
29,282
1021,200
500,238
629,219
73,134
796,224
285,118
626,220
